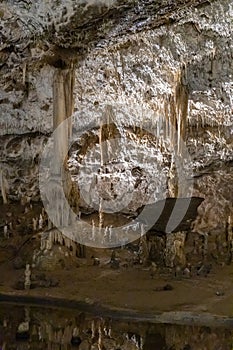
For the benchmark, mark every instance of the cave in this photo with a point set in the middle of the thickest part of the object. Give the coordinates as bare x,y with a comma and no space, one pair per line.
116,174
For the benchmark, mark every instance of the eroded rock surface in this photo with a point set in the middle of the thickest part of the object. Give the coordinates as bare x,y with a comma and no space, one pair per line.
146,61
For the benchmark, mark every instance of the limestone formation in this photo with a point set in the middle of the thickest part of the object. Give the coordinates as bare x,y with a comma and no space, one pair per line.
34,223
159,75
3,186
174,252
6,232
40,222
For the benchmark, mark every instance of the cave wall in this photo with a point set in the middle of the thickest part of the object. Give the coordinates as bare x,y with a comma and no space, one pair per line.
141,72
133,70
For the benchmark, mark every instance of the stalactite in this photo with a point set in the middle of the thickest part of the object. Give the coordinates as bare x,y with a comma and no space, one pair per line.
101,214
230,236
171,115
50,225
59,115
42,242
4,187
106,234
24,70
6,232
49,241
181,104
176,112
110,234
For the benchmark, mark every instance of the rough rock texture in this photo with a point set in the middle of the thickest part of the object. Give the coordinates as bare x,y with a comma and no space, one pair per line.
141,71
146,60
20,156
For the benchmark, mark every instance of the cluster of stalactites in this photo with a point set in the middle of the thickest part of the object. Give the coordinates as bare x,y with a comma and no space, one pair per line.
176,113
54,236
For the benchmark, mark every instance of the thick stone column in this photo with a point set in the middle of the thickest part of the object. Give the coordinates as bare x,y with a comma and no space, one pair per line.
60,181
63,104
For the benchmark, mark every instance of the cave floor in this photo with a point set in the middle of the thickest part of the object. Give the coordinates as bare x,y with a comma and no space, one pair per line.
133,289
126,288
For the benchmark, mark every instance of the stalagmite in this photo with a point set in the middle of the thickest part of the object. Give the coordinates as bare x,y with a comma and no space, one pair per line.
27,280
110,332
153,269
41,222
174,252
205,245
60,238
143,251
92,329
195,244
141,343
100,344
42,243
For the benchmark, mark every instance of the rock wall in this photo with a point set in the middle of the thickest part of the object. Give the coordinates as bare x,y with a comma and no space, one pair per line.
140,73
136,66
20,157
